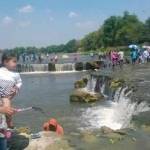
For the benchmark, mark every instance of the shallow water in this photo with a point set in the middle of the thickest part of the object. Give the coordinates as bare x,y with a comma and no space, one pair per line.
51,93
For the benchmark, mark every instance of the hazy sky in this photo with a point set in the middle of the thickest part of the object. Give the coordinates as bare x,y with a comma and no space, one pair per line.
45,22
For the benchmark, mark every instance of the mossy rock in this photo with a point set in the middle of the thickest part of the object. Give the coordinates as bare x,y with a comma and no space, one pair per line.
80,95
89,137
24,130
81,83
116,83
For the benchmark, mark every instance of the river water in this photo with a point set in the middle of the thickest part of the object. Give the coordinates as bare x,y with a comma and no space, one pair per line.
51,93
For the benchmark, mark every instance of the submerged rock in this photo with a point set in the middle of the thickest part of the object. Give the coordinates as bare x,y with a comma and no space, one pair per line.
79,95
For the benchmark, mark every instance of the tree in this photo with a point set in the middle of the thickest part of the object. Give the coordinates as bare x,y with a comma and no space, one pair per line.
71,46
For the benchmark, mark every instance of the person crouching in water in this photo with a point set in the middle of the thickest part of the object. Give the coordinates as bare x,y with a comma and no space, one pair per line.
10,83
52,125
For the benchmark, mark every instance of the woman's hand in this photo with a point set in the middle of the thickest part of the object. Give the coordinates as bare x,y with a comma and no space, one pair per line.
7,110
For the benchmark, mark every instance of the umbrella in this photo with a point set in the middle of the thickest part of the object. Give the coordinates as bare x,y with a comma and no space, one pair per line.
133,46
147,47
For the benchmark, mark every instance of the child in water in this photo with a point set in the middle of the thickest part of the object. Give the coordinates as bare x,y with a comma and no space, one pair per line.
53,126
10,83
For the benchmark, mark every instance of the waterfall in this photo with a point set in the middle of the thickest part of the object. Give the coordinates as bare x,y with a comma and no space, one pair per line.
32,67
91,85
114,114
65,67
96,85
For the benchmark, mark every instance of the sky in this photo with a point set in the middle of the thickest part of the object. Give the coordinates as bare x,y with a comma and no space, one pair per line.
46,22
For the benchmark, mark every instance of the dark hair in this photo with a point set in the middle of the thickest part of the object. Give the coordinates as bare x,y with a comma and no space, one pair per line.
8,56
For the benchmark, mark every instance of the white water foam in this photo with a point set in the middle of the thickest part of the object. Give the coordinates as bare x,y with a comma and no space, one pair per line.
115,114
90,86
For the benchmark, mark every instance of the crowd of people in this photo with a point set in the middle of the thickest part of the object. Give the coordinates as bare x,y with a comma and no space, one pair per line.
117,58
140,55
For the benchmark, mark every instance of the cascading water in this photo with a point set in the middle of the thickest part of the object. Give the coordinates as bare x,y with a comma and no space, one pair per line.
65,67
32,68
91,85
115,114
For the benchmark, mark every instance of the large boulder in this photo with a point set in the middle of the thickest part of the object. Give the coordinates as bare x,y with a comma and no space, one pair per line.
81,95
48,141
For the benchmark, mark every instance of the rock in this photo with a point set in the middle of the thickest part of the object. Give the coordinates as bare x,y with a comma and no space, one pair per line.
91,66
81,83
79,66
121,132
114,136
146,128
89,137
115,84
18,141
51,67
48,141
106,130
25,130
80,95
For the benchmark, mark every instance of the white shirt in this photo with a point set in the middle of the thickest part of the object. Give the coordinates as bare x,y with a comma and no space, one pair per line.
121,55
146,54
14,77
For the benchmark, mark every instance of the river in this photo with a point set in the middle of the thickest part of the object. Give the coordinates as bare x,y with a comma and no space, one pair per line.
51,93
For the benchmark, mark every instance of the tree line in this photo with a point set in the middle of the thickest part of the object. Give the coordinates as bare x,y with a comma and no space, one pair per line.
115,31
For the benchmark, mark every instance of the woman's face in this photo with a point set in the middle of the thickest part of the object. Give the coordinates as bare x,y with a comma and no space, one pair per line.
11,64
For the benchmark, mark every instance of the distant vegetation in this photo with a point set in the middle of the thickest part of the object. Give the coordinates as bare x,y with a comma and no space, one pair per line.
117,31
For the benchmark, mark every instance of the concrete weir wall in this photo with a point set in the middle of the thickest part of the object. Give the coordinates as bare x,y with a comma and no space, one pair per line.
79,66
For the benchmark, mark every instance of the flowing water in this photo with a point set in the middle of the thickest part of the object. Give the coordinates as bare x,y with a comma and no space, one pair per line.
115,114
50,92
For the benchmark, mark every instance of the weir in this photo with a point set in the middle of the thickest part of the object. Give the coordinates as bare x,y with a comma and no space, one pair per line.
116,112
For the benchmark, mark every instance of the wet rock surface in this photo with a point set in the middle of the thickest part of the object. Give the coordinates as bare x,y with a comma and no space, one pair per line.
80,95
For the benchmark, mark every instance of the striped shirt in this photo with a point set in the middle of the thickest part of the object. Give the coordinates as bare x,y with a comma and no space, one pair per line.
8,80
